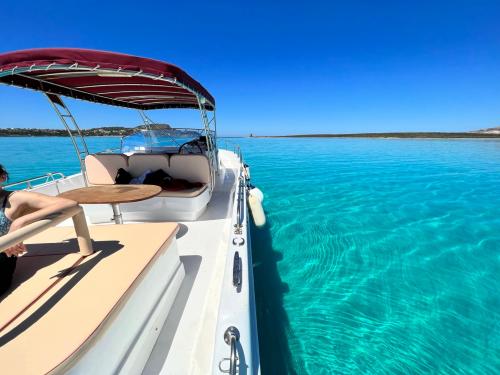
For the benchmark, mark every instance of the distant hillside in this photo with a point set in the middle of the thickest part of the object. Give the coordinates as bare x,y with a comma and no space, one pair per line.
104,131
495,130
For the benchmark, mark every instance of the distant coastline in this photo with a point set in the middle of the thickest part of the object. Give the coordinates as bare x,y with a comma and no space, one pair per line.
105,131
389,135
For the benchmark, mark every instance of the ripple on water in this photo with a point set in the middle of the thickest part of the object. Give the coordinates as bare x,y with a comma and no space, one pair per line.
379,257
389,250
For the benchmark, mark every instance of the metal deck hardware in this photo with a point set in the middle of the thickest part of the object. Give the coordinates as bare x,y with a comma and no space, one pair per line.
237,270
231,337
240,214
238,241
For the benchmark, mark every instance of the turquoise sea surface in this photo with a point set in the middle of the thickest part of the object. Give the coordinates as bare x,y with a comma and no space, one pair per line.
380,256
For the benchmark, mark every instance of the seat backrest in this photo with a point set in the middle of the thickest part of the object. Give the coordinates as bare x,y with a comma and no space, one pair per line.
102,168
140,163
194,168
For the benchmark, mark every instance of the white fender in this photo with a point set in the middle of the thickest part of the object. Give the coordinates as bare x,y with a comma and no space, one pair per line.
257,193
259,217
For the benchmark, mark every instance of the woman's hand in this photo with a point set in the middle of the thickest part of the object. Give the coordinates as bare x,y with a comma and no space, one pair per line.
19,248
15,250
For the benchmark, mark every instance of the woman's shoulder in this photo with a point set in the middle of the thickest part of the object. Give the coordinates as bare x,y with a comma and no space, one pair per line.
32,198
20,196
6,194
17,193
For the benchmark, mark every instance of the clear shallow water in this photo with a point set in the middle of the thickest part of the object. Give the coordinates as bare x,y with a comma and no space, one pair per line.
379,257
26,157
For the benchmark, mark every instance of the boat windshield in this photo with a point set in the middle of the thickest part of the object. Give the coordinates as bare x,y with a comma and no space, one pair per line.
160,140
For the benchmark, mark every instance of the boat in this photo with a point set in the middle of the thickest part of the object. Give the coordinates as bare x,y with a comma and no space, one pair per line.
158,286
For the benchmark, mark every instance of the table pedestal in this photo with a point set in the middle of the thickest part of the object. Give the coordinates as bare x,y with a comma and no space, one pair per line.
117,213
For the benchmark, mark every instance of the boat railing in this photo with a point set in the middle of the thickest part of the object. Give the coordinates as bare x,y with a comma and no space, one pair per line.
236,350
232,146
33,182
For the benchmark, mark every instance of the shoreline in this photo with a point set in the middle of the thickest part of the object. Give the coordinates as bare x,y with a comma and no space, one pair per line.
57,136
411,135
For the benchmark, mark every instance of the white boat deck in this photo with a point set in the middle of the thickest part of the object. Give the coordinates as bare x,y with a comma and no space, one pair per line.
188,334
187,339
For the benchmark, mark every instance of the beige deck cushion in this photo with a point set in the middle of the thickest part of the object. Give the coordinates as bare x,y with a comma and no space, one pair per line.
140,163
59,324
102,168
194,168
187,193
34,273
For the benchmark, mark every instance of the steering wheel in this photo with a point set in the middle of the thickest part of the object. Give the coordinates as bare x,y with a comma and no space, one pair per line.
193,143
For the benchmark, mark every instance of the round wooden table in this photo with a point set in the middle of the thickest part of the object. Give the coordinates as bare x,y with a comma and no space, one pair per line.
113,195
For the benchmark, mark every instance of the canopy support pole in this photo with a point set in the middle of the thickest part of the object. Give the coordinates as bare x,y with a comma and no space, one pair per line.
71,127
145,119
211,142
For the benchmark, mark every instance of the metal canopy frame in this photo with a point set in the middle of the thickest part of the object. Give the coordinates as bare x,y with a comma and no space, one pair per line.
81,148
78,93
50,88
213,153
64,113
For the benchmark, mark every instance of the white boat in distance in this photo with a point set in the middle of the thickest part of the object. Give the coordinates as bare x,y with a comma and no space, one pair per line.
169,290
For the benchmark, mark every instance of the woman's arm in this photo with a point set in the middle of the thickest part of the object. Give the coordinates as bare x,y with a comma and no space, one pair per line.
27,208
30,207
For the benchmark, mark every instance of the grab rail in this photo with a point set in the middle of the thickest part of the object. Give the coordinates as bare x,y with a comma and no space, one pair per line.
30,230
48,178
231,337
240,214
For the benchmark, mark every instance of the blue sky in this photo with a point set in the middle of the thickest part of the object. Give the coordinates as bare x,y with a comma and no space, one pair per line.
283,67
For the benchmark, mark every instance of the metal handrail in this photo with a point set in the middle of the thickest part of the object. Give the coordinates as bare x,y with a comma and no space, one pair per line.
231,337
240,214
48,178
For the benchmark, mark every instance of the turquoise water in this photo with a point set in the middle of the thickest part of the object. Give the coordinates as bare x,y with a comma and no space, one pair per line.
27,157
379,257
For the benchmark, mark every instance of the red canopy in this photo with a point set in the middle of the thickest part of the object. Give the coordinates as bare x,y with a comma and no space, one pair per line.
104,77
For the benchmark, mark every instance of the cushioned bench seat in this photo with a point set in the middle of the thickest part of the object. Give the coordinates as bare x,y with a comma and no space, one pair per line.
186,193
60,300
102,169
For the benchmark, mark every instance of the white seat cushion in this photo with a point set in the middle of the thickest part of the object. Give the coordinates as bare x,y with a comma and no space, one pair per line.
102,168
140,163
194,168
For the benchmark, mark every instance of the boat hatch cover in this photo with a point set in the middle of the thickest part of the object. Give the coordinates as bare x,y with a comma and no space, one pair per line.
104,77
